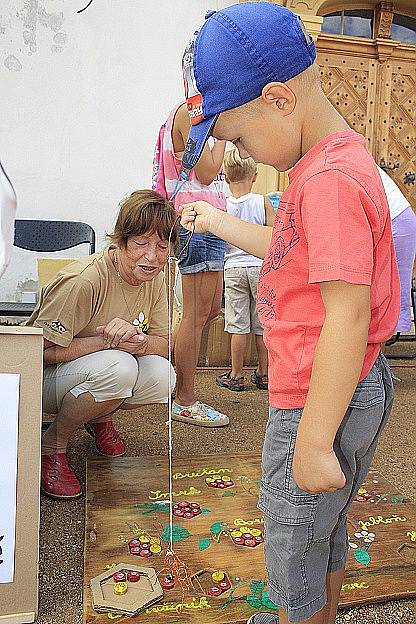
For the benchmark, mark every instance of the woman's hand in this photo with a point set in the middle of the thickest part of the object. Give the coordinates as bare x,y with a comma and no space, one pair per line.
137,345
116,331
200,215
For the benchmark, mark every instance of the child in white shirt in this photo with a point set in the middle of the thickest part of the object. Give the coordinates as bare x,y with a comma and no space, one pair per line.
241,274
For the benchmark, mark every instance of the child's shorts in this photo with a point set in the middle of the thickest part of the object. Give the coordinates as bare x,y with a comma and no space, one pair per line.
240,300
306,534
205,252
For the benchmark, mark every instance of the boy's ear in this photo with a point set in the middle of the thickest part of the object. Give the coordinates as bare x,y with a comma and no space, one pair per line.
279,95
255,176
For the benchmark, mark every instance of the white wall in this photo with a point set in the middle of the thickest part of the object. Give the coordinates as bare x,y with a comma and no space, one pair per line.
82,98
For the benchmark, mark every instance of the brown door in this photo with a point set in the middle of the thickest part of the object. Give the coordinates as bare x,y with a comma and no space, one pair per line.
372,84
397,140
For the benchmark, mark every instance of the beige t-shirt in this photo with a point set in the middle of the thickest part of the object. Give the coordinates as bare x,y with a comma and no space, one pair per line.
88,293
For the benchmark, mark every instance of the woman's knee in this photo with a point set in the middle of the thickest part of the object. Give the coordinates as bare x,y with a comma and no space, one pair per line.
117,371
156,379
162,376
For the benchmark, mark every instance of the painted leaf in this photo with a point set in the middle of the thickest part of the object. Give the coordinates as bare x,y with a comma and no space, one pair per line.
216,528
256,587
362,556
254,602
204,543
266,602
205,511
178,533
229,493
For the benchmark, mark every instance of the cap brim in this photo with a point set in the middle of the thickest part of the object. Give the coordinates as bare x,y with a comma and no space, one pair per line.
198,136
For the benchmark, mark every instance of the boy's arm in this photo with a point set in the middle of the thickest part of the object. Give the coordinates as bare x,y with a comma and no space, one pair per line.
210,161
337,365
250,237
269,211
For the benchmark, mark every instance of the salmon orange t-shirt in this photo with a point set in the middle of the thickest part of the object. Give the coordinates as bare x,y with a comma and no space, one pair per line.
332,223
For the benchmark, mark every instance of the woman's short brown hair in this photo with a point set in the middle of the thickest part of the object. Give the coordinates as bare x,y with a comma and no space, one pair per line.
144,212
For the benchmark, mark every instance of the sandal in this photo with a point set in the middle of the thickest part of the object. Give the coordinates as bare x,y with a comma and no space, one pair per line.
199,414
261,381
232,383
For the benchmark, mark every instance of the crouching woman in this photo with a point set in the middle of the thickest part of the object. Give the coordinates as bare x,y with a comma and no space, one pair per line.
105,323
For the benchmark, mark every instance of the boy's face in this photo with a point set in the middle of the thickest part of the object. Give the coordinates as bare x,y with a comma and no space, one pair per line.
260,130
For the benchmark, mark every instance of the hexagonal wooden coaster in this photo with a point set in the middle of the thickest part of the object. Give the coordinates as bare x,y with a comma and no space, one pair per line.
139,595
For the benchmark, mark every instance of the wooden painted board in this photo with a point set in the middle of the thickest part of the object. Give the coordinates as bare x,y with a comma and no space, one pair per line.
126,499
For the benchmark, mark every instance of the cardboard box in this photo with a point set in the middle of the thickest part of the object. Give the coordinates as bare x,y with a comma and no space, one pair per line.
21,354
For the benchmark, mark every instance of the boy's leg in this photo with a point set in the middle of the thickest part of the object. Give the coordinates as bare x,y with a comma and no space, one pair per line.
328,614
237,315
305,534
238,351
200,291
262,366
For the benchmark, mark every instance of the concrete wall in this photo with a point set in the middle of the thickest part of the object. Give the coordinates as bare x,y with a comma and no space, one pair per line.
82,98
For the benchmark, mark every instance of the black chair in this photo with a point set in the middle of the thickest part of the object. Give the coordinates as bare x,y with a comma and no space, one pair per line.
37,235
398,337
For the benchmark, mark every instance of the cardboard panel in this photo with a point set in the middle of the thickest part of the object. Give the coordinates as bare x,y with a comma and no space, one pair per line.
21,350
49,267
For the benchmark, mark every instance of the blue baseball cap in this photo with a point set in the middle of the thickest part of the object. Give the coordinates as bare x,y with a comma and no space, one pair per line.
237,51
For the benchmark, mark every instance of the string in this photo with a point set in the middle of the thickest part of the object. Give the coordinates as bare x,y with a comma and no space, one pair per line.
182,178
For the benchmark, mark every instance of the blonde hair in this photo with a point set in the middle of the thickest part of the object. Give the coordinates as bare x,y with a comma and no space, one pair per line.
238,169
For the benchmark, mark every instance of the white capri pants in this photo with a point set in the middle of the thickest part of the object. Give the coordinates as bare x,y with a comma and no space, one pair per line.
108,375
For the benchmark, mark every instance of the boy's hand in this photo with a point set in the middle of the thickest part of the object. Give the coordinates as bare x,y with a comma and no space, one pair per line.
199,214
316,470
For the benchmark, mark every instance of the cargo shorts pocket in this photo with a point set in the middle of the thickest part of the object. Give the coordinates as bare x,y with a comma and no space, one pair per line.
370,391
278,451
288,529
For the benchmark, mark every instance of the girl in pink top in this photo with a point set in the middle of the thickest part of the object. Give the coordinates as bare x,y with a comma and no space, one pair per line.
201,265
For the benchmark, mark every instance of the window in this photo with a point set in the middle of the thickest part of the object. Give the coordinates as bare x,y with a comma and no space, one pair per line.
403,28
353,22
358,23
332,23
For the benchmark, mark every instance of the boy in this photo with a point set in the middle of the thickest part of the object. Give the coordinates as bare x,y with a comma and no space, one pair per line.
241,274
328,290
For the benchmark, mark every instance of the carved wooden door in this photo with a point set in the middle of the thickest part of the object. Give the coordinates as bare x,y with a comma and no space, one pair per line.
372,84
397,137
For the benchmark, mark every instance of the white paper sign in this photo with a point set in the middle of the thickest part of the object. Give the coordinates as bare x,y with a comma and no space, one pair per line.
9,425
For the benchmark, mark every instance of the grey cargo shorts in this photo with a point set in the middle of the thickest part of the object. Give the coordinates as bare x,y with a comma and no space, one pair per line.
306,534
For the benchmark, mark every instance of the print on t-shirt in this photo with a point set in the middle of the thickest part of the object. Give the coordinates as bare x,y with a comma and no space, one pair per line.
285,236
266,303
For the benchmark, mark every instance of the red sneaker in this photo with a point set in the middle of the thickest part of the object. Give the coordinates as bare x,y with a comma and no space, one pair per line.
108,441
58,480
